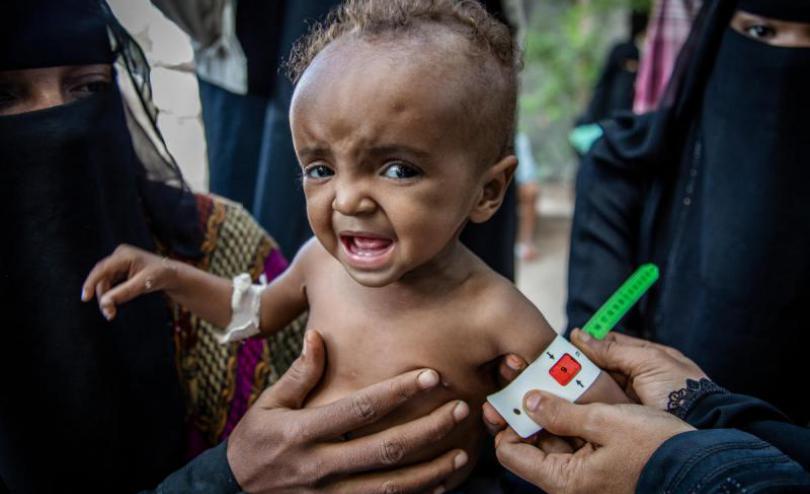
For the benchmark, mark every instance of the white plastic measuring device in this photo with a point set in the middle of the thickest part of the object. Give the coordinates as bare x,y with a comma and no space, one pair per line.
562,369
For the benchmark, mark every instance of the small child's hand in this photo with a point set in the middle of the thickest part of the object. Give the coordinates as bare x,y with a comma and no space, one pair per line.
127,273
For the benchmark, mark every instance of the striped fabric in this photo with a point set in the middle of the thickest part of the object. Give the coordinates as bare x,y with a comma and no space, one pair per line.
219,381
667,31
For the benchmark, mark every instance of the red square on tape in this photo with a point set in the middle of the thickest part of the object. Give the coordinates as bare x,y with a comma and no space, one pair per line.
565,369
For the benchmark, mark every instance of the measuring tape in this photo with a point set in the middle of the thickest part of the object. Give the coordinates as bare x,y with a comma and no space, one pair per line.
621,301
562,369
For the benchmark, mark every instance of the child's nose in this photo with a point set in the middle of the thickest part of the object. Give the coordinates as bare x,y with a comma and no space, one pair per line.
353,203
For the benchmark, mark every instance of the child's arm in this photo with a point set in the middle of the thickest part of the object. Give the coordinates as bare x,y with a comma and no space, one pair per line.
523,331
205,295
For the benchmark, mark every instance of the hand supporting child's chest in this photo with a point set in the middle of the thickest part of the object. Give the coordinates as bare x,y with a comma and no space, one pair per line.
372,333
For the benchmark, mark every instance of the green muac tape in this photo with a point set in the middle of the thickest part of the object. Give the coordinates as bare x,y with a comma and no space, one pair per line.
621,301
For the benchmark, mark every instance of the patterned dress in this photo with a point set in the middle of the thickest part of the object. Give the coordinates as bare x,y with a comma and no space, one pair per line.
220,381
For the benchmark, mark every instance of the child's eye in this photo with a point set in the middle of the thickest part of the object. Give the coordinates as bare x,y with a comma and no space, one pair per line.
318,172
760,31
400,171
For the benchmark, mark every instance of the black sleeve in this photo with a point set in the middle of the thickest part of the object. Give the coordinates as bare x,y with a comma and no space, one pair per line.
604,237
721,460
754,416
209,473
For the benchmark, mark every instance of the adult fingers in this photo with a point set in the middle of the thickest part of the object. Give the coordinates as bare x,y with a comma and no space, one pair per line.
550,443
370,404
627,340
592,422
292,388
509,435
510,368
532,464
390,447
612,354
424,477
492,419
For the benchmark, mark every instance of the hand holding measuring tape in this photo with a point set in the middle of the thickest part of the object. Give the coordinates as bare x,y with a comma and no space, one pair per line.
619,439
562,369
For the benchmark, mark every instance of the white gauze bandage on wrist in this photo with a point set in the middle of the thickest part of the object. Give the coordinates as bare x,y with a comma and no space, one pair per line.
561,369
245,304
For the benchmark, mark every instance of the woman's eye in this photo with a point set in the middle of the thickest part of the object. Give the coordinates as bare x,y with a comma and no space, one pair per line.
7,96
318,172
400,171
760,31
91,87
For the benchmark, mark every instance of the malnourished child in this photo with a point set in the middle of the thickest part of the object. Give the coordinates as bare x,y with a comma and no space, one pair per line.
402,120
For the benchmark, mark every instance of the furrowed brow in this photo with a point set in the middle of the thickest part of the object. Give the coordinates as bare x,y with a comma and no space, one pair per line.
398,149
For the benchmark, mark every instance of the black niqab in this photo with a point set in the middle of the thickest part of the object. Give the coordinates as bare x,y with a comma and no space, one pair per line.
87,405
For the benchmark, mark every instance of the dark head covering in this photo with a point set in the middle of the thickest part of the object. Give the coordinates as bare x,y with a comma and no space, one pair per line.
36,34
727,214
786,10
87,405
638,22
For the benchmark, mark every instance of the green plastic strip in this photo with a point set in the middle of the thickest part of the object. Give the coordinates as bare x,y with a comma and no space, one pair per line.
621,301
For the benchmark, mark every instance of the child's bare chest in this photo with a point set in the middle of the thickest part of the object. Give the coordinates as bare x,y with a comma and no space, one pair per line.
368,342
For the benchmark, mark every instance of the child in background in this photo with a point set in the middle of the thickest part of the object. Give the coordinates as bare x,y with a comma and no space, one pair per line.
528,193
402,122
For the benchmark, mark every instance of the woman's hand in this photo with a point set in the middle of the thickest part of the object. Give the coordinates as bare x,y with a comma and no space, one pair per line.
648,372
279,447
620,441
127,273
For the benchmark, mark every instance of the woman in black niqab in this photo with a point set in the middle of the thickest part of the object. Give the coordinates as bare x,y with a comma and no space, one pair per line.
713,188
87,405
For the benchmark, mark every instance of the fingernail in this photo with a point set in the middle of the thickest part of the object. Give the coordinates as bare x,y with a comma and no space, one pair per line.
583,336
460,460
427,379
307,336
461,411
439,490
108,313
514,363
84,295
532,401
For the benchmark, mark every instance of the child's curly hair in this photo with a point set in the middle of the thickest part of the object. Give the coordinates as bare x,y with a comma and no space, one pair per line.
488,40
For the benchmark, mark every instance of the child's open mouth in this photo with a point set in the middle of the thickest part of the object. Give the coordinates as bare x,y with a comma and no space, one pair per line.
366,251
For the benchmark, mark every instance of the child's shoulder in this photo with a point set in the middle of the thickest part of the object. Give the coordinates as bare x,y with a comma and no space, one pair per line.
311,255
496,302
504,317
311,263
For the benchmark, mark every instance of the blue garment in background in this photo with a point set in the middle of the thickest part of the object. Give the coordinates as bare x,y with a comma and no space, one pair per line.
234,129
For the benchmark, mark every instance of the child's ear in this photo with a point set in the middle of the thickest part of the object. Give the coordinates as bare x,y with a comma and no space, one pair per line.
495,182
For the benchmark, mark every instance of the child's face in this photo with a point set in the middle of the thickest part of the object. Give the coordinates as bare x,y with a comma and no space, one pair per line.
390,174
